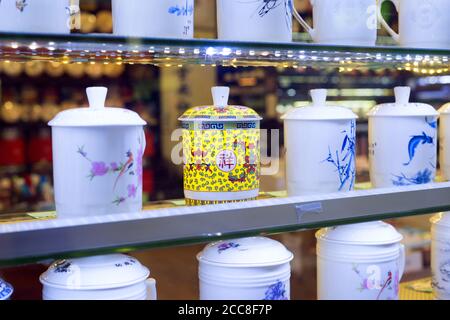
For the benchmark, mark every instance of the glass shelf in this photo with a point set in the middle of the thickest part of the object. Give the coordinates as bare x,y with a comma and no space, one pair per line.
104,48
35,237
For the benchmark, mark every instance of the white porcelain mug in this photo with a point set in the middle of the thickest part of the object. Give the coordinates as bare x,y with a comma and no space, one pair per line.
250,20
402,142
42,16
156,18
422,23
343,22
370,274
350,22
440,255
357,262
86,170
444,140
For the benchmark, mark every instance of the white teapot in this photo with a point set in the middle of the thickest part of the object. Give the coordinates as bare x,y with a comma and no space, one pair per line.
362,261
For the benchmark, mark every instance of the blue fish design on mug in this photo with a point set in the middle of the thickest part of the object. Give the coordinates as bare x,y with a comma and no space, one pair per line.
415,142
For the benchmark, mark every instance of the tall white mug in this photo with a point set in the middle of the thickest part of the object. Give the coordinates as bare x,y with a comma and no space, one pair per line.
42,16
348,22
343,22
155,18
422,23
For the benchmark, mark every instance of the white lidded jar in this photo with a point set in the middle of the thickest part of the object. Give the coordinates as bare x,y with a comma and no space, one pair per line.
156,18
255,268
41,16
97,159
6,290
106,277
440,255
320,143
402,142
362,261
444,140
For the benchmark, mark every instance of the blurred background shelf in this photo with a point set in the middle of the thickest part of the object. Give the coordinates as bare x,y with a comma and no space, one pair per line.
171,223
106,48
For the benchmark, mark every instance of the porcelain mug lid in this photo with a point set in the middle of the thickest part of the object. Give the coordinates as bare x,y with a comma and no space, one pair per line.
99,272
245,252
319,110
368,233
6,290
220,110
96,114
402,107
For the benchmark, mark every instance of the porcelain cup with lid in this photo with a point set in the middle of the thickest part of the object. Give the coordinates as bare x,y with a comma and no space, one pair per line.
255,268
97,159
422,23
221,151
444,140
107,277
320,143
156,18
402,142
41,16
362,261
440,255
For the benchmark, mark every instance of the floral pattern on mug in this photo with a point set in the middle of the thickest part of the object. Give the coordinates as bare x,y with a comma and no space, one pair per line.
276,291
227,245
184,10
371,282
62,266
132,167
343,159
422,177
5,290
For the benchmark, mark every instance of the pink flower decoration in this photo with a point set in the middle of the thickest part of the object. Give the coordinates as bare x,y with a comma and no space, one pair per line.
132,191
114,166
99,169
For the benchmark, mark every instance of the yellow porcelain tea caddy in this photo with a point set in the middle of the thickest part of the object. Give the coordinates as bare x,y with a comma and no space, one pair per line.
221,152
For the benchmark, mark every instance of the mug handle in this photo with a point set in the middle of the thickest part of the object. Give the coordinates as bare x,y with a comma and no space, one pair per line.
151,289
383,22
302,21
402,259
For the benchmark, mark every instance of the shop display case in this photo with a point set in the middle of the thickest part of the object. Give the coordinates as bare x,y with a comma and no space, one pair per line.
214,222
32,237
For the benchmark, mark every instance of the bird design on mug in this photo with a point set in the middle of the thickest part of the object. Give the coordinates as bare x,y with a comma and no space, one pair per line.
414,142
266,6
386,284
126,167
